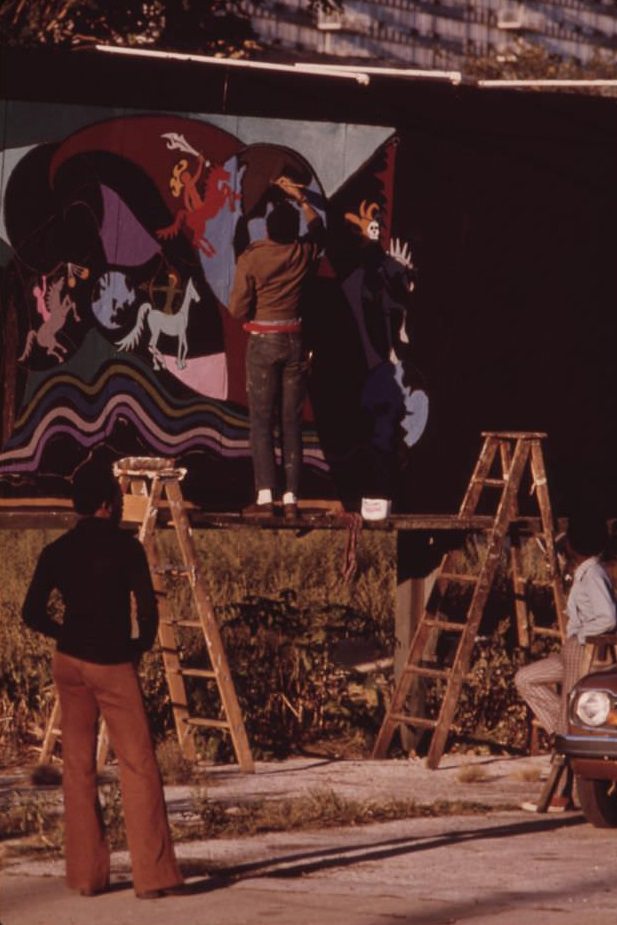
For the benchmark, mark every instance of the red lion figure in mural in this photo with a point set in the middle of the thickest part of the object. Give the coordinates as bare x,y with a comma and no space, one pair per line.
198,209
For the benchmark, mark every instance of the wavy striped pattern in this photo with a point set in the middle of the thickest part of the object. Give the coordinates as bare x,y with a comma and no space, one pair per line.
64,407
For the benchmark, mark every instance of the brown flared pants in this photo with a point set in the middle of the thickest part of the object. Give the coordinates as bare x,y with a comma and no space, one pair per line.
87,690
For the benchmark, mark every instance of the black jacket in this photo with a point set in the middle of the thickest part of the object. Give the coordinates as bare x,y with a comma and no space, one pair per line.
95,567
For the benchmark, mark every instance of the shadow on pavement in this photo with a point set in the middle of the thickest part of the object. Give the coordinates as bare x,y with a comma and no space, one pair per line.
303,863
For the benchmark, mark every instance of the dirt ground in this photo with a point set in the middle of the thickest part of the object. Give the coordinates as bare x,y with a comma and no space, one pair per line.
501,866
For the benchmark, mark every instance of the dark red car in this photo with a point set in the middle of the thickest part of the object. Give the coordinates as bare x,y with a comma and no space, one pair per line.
591,745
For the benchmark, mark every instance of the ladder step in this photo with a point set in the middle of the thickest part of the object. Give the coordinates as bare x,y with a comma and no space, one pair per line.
541,582
173,571
210,723
420,721
446,625
428,672
455,576
492,483
546,631
196,672
191,624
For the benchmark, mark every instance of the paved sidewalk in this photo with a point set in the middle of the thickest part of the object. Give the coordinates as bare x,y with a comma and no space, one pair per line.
501,867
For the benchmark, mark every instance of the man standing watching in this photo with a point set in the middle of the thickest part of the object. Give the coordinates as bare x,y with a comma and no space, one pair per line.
97,568
267,289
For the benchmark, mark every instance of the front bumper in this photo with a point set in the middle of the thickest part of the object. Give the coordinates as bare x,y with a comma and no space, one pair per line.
587,746
591,756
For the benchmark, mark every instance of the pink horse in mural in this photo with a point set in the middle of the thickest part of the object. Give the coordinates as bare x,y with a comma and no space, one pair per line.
56,311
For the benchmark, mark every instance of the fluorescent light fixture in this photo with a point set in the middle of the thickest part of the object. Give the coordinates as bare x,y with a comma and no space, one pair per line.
353,74
546,83
454,77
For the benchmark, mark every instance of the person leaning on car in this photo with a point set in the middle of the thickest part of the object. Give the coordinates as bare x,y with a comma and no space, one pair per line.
590,609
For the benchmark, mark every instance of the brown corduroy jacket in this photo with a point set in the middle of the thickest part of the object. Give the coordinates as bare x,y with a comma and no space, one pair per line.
269,277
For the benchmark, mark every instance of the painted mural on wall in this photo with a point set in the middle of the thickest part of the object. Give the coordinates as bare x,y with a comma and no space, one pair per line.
123,237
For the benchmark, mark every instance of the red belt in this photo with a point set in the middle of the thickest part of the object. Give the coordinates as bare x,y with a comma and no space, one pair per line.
266,327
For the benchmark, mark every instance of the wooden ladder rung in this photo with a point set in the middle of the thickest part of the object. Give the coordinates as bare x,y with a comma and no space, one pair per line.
424,672
492,483
207,723
172,571
446,625
603,639
190,624
456,576
196,672
546,631
420,721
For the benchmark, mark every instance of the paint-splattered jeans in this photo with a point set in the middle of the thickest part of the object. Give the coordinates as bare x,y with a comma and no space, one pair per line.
276,369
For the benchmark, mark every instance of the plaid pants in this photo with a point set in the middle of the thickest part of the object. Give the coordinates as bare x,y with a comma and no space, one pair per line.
534,681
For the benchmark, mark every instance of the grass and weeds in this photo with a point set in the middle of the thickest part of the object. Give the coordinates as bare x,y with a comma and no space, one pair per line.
282,607
285,616
530,775
38,823
35,818
472,774
319,809
174,767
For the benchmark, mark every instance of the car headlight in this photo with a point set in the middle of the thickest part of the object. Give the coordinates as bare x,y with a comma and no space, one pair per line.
592,707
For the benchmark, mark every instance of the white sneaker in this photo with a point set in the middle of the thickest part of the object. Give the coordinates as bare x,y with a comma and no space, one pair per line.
558,804
375,508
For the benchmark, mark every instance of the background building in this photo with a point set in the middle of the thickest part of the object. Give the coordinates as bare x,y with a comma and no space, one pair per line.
425,34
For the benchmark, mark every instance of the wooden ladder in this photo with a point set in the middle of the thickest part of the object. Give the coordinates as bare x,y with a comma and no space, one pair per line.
512,453
53,732
148,485
527,629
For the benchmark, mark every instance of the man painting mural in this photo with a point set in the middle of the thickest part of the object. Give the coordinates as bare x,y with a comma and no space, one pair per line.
267,289
97,568
591,610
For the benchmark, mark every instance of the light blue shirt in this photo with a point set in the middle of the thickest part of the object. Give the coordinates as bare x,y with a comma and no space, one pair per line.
591,601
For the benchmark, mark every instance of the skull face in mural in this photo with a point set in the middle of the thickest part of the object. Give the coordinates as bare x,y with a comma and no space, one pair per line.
393,397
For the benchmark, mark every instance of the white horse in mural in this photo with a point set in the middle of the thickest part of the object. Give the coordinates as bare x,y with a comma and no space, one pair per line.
160,323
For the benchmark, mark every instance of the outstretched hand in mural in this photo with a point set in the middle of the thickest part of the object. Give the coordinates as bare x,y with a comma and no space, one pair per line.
292,189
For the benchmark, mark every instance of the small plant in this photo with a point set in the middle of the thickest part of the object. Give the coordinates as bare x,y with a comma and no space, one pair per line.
529,774
113,816
471,774
24,816
174,767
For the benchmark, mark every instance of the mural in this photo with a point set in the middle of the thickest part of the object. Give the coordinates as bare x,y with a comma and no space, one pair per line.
121,240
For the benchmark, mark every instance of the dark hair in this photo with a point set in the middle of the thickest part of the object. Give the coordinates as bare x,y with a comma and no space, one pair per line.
93,485
587,535
283,223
